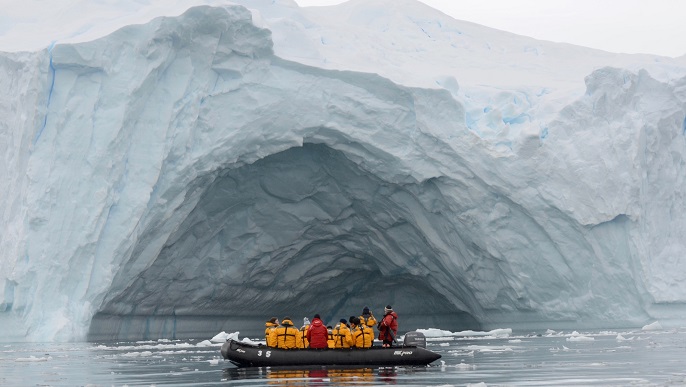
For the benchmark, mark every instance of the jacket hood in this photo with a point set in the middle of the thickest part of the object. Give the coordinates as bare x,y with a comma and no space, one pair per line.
286,322
317,322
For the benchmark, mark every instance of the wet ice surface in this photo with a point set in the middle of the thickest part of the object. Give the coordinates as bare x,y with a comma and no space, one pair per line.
546,358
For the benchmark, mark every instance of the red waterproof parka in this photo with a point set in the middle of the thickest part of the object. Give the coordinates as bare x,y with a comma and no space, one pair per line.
317,335
388,321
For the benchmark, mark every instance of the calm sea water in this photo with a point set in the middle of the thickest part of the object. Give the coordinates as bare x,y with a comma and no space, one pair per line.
589,358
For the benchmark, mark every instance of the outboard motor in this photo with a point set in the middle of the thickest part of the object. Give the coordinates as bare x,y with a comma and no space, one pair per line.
415,339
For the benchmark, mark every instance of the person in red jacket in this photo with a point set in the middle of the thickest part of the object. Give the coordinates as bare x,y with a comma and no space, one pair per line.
317,334
388,326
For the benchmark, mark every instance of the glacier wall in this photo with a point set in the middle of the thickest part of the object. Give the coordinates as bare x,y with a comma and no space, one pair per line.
177,178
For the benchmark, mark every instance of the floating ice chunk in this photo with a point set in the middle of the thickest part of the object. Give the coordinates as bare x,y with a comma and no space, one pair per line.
223,336
502,332
490,348
138,354
31,359
463,366
655,326
248,341
433,333
576,336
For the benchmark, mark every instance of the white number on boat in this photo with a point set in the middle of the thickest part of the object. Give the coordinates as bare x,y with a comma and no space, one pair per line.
259,353
269,353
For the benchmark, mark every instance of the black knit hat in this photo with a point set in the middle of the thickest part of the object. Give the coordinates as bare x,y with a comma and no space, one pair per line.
365,310
343,321
272,320
317,316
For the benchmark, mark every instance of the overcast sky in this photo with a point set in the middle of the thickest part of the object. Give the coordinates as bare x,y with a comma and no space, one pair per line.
629,26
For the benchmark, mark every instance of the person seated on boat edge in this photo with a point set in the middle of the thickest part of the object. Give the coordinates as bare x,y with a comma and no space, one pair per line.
330,342
342,336
269,326
363,336
301,341
317,335
367,317
284,336
388,326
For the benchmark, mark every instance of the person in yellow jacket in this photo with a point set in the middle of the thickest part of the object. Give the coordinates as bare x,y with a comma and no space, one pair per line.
301,340
330,343
269,326
284,336
363,336
341,335
367,318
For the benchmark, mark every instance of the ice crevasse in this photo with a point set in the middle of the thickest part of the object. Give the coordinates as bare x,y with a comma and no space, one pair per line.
180,176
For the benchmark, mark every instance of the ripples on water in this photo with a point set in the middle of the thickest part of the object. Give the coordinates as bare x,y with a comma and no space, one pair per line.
601,358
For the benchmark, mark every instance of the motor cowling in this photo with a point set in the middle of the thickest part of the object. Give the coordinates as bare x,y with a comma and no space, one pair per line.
415,339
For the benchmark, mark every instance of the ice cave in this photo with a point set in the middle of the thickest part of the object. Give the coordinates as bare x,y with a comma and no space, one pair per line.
205,171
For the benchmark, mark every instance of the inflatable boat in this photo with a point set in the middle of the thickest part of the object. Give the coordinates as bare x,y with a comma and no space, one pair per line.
412,352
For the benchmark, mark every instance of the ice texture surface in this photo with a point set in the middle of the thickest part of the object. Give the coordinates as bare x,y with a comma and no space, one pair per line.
222,164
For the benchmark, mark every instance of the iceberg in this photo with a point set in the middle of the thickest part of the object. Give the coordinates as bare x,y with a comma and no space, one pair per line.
187,169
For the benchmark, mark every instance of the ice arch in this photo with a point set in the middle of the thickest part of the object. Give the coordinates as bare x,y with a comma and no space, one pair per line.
299,232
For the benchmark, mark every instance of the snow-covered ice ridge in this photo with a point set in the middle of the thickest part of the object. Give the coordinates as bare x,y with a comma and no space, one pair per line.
175,175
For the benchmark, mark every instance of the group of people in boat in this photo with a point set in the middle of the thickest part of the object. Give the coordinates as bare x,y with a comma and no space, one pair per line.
356,332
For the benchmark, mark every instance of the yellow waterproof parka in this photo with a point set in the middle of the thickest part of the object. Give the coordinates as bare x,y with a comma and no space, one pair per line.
331,343
342,337
284,336
301,339
268,327
363,336
368,320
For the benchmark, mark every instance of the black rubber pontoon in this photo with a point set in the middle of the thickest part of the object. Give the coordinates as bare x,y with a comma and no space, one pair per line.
251,355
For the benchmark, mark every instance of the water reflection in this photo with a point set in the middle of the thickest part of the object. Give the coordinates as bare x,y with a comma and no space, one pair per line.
604,358
320,376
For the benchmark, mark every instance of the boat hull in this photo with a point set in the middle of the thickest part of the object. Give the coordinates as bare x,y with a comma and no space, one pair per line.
250,355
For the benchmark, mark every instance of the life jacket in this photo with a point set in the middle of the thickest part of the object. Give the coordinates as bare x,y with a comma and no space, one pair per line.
363,336
389,321
269,326
285,335
301,340
330,342
342,337
368,320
